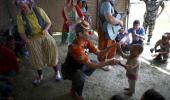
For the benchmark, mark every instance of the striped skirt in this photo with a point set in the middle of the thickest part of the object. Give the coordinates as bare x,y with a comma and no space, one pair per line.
43,50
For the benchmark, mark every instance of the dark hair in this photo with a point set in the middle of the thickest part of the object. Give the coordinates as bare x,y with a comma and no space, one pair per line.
117,97
136,22
139,46
78,28
86,5
151,94
78,1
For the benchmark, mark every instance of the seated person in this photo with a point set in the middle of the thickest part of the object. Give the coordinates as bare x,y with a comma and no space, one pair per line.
123,38
151,94
137,33
8,61
77,64
162,53
120,35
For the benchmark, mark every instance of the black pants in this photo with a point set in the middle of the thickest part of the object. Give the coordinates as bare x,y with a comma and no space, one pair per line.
78,78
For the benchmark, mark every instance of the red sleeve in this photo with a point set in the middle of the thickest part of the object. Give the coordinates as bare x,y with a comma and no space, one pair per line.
65,26
78,54
64,16
80,14
91,47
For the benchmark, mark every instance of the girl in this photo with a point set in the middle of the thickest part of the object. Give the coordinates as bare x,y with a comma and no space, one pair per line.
72,15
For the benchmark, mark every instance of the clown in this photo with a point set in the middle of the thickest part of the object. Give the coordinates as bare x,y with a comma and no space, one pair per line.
33,25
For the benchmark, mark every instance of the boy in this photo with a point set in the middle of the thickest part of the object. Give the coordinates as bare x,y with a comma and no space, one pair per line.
162,53
132,66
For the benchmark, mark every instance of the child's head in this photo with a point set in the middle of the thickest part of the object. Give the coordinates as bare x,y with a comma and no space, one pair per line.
136,50
136,24
121,30
117,97
165,39
151,94
84,3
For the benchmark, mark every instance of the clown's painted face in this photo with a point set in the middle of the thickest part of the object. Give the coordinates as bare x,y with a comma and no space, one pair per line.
24,8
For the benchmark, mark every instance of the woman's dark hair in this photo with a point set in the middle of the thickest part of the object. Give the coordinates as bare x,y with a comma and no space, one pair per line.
136,22
78,1
151,94
86,4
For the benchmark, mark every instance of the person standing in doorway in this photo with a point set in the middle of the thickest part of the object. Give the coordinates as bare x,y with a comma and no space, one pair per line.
151,14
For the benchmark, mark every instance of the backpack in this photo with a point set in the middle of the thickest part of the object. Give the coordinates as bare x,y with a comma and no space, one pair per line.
27,26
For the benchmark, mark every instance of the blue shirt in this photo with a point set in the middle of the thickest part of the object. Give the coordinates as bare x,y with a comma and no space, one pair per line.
140,32
106,8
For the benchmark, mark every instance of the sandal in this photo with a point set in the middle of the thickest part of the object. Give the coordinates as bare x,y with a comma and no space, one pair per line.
37,81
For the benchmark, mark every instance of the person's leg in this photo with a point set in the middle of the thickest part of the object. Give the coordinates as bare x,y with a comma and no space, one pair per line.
50,54
36,57
112,51
39,78
57,70
151,28
64,38
78,79
145,25
131,88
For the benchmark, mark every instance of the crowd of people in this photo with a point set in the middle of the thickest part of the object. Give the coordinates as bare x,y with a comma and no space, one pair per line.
32,39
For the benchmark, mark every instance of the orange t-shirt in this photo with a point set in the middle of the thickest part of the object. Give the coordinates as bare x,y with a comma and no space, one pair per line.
77,52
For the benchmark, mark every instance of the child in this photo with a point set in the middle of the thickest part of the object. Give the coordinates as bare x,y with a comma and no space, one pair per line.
123,38
132,66
162,53
151,94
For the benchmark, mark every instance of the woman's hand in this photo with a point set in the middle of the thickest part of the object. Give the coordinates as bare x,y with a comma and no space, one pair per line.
45,32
